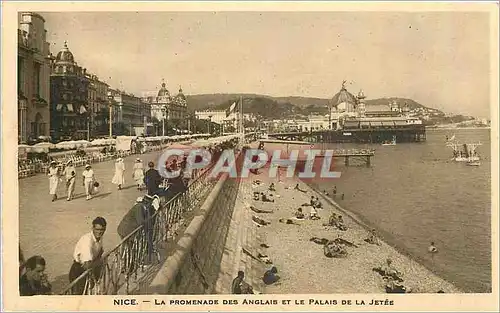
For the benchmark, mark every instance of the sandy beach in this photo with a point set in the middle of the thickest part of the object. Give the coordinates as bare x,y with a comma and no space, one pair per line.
301,263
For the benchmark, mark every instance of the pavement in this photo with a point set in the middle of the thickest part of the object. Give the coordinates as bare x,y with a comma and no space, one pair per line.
52,229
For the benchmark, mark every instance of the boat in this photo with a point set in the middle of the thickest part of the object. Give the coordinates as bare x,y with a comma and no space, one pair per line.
390,143
464,152
473,163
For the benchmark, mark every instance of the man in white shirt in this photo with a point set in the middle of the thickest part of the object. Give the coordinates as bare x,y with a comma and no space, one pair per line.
70,173
87,253
88,180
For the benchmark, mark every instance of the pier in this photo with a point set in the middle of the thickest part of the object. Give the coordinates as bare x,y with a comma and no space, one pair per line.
406,133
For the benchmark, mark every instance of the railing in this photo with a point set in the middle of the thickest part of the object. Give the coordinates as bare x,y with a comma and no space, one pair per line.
121,266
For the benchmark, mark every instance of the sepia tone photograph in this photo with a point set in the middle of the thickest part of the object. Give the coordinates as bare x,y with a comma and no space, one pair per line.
253,152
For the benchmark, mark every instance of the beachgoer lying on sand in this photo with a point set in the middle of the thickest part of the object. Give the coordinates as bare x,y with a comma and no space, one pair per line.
319,241
344,242
314,214
259,210
334,250
287,221
298,188
270,276
372,238
260,221
271,187
299,214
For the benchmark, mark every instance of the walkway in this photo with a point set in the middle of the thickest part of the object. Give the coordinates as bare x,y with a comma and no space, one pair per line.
52,229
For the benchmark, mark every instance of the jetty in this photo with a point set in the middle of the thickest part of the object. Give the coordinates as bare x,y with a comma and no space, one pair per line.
363,155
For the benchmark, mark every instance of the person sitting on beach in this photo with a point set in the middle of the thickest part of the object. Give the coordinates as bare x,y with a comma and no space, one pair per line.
271,187
299,214
267,197
332,220
334,250
239,286
318,204
256,195
314,214
372,238
340,223
270,276
389,271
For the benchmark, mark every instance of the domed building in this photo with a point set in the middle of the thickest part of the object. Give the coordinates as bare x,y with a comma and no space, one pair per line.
169,108
70,114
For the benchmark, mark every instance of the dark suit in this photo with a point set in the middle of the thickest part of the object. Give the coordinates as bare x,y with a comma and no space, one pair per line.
152,180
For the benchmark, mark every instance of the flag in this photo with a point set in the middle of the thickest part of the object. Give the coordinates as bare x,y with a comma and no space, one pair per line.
230,109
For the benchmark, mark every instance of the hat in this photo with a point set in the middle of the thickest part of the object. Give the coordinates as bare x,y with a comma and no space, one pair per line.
138,160
53,162
139,199
87,165
119,159
69,161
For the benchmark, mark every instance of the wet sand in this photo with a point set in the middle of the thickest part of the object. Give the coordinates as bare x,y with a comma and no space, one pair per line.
301,264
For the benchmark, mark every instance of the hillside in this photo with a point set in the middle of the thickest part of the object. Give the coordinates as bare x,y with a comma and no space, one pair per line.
278,107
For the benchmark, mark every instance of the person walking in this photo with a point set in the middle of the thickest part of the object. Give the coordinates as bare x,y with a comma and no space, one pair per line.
119,178
152,179
88,181
138,174
87,254
70,173
53,180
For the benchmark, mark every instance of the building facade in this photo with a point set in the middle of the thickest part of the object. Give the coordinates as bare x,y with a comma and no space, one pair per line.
164,106
33,78
130,113
69,111
99,106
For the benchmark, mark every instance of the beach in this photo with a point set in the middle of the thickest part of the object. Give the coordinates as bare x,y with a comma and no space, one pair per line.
301,263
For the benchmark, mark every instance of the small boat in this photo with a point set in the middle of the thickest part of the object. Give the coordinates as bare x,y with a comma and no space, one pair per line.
390,143
473,163
466,154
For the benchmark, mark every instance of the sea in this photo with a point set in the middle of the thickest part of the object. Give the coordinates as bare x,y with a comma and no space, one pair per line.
414,194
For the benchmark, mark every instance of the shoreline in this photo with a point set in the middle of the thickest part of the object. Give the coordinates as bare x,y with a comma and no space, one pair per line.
389,240
301,263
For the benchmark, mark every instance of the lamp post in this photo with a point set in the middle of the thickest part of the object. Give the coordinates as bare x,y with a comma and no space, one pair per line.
110,103
163,120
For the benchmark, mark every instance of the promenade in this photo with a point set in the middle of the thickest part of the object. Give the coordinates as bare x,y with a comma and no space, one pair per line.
52,229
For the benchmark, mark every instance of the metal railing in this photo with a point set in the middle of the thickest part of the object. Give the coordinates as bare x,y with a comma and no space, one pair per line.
122,265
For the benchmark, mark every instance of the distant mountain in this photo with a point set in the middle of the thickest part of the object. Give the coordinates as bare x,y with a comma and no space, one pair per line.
277,107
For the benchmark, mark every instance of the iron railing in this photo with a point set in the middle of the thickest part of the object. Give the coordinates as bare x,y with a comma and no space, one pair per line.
122,265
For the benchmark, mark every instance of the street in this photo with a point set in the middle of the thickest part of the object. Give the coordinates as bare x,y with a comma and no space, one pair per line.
52,229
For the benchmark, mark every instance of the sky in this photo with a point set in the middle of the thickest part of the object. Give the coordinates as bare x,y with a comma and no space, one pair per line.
440,59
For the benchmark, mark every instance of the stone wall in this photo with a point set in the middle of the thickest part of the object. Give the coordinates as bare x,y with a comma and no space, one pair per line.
194,267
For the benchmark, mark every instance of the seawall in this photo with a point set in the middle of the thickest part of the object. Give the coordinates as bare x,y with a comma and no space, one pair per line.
194,266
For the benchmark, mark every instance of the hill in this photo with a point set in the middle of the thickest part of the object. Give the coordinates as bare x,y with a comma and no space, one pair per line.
279,107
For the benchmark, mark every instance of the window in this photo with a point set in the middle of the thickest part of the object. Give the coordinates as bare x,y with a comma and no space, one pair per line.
36,78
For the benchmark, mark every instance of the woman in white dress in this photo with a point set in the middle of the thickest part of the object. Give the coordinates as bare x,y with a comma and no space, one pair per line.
138,174
53,180
119,178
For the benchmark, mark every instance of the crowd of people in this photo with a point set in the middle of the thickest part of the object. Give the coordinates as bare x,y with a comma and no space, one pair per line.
89,249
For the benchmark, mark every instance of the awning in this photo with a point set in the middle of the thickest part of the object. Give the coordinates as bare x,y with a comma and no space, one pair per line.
400,123
387,123
376,124
365,124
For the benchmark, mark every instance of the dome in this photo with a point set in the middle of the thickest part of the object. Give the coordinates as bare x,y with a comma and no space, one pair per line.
343,96
65,55
163,92
181,94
